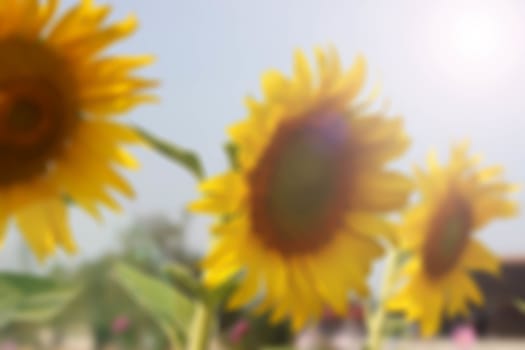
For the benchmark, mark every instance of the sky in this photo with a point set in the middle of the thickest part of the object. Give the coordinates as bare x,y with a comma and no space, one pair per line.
452,69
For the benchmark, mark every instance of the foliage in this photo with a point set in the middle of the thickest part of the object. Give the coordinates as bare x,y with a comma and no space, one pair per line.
147,245
33,300
171,310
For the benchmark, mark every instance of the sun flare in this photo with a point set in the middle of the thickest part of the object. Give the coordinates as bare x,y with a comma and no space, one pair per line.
474,43
477,36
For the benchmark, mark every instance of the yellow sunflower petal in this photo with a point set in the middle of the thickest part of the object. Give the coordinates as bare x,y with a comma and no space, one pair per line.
478,257
455,199
431,320
302,71
44,226
55,87
246,292
222,194
301,212
381,191
371,225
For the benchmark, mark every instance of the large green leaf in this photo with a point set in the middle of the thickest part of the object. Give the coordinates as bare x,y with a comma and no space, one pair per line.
169,308
31,299
44,306
188,159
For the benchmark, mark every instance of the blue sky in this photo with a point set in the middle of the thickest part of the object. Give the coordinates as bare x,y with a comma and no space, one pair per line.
450,73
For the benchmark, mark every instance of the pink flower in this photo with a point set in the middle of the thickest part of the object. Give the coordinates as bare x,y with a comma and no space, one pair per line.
238,331
120,324
464,336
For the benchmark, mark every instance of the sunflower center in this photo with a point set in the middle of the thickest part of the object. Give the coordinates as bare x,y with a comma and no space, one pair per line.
448,236
37,108
23,116
298,189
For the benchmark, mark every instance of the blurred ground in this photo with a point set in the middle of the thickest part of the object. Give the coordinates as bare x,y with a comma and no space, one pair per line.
495,344
85,343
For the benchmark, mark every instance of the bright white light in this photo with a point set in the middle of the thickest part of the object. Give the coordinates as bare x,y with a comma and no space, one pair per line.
477,36
475,42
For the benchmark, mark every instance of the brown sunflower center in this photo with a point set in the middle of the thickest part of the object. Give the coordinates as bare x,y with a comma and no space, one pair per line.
37,108
448,236
299,187
23,116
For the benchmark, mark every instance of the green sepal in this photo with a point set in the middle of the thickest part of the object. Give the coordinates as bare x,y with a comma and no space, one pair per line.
218,295
182,156
186,280
232,152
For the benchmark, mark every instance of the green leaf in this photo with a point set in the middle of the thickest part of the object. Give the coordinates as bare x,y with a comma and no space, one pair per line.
183,277
169,308
232,153
184,157
9,299
31,299
45,306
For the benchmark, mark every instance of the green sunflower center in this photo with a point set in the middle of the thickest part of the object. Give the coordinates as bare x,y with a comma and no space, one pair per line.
36,109
299,186
448,236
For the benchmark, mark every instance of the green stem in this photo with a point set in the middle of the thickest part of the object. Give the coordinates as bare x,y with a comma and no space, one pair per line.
201,327
377,320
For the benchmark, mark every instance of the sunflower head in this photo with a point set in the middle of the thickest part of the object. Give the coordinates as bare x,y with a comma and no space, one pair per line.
456,200
57,96
300,217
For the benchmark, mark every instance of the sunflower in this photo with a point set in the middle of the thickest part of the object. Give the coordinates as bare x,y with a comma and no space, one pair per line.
58,141
456,201
301,214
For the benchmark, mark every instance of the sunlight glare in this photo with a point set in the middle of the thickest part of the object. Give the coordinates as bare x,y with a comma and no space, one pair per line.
477,36
474,43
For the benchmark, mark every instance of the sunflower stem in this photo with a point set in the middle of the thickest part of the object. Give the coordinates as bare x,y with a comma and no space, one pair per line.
201,327
376,323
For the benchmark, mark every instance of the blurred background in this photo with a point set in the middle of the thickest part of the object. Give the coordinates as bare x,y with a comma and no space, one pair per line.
452,69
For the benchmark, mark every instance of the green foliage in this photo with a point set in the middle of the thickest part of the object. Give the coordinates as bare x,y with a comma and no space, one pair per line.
30,299
152,242
148,244
395,326
170,309
101,302
185,279
186,158
217,296
262,334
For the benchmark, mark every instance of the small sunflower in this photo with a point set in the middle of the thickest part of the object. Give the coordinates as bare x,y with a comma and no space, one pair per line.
456,201
57,99
301,213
